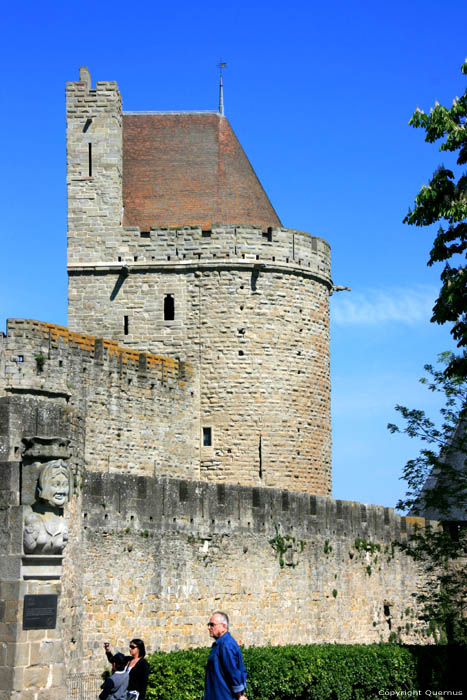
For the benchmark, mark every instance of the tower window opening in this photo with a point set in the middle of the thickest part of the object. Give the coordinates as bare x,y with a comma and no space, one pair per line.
206,234
267,235
207,437
387,614
125,325
145,234
90,159
169,308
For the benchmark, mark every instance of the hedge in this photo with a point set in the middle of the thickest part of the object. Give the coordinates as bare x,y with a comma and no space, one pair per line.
316,672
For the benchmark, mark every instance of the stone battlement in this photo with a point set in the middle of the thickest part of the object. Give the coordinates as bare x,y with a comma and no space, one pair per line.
203,508
226,245
82,100
27,339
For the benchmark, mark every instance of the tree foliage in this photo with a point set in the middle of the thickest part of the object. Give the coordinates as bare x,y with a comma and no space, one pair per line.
437,490
445,200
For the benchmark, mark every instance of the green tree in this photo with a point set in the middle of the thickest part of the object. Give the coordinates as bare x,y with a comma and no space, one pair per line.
445,200
437,490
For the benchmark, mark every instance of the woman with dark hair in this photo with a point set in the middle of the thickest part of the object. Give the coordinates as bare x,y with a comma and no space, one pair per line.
136,666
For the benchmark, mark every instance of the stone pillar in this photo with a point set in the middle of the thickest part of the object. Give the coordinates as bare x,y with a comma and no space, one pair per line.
32,661
32,664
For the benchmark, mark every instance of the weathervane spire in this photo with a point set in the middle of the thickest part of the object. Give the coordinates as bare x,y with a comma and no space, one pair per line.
221,88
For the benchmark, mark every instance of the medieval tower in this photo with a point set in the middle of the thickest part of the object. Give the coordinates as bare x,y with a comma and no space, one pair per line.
175,249
169,452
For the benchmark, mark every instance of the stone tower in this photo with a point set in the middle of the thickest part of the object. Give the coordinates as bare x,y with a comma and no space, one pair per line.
175,249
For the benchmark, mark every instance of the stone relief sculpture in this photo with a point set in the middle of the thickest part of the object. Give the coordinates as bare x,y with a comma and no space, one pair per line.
45,529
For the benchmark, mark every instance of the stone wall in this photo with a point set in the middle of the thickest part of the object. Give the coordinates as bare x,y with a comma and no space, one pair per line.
150,555
160,555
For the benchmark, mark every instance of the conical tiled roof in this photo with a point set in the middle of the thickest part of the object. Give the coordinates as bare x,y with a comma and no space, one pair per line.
188,168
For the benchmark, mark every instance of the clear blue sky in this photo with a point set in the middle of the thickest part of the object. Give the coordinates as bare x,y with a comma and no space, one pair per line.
319,95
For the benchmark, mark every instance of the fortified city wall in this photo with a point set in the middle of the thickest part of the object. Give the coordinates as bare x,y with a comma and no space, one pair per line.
187,548
183,546
187,410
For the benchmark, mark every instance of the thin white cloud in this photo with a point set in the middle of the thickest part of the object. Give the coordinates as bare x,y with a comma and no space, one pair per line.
378,306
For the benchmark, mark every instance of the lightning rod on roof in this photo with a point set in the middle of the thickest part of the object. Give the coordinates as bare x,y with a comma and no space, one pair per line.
221,88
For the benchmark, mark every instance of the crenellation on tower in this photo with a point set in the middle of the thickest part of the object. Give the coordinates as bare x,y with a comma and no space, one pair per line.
226,245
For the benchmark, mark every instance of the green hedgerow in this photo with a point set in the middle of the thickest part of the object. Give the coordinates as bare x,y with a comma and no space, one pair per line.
316,672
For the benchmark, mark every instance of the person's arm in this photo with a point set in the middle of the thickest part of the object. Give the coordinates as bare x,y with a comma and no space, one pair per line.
107,689
233,669
108,653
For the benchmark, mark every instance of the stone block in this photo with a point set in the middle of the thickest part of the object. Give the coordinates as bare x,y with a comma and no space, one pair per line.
17,678
18,654
35,677
24,694
51,694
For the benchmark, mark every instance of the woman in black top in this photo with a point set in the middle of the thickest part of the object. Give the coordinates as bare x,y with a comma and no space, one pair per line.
136,666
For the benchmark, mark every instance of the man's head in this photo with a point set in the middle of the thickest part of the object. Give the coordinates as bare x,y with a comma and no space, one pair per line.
218,624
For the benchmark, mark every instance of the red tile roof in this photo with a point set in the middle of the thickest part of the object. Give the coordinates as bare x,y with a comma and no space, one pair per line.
188,169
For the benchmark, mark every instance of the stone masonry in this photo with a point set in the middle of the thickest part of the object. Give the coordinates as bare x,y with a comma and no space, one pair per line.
188,403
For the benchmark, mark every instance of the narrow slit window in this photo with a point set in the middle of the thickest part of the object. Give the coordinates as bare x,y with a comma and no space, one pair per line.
207,437
169,308
125,325
90,158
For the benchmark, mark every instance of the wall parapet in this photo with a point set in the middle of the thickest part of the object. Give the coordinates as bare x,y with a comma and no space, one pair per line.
37,355
286,248
151,503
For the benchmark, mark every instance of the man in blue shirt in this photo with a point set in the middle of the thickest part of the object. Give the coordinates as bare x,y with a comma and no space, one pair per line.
225,673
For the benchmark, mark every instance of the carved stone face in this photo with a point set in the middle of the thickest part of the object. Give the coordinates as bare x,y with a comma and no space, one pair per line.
54,484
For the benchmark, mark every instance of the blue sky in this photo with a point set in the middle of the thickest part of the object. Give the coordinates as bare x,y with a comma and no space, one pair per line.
319,95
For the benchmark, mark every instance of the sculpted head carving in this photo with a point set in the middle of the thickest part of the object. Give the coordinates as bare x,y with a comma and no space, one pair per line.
45,530
54,485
